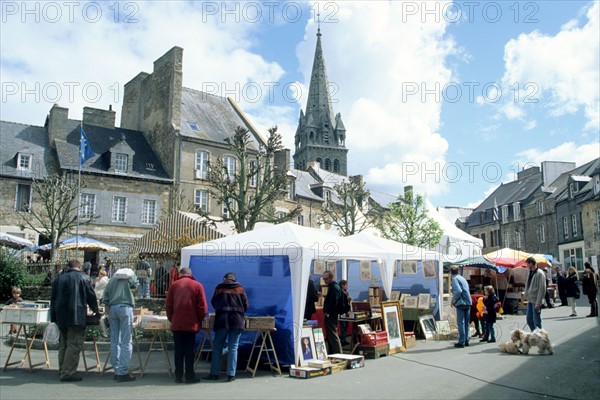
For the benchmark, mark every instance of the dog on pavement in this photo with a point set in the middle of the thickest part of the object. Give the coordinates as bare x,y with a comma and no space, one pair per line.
538,338
510,347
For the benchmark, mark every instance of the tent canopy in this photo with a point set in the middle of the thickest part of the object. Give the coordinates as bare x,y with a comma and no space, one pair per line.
14,242
168,235
86,244
480,262
511,258
301,245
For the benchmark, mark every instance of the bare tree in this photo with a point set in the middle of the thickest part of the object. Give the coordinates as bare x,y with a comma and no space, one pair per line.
345,207
56,212
249,189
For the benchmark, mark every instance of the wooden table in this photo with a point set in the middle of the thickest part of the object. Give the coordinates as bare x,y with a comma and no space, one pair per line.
160,335
205,346
28,345
264,343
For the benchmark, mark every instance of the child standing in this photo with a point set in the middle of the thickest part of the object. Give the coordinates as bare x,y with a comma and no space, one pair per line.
489,314
16,298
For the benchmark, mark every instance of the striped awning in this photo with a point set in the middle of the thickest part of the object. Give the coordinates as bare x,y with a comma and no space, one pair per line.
179,230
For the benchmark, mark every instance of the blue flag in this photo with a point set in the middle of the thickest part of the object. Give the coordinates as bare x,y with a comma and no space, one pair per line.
85,149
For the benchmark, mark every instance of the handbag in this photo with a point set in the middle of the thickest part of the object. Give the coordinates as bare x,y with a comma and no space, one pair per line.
577,293
93,319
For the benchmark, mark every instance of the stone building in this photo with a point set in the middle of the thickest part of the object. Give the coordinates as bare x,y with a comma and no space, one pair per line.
590,216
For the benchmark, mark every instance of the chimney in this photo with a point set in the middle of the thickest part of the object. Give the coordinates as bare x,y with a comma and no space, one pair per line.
527,172
282,159
57,124
98,117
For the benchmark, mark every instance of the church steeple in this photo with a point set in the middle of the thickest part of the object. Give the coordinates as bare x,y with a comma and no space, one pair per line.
321,135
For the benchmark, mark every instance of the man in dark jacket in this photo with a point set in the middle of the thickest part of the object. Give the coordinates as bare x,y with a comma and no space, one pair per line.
330,313
311,298
230,303
186,308
71,294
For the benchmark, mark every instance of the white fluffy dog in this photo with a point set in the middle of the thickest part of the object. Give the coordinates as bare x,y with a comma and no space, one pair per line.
538,337
510,347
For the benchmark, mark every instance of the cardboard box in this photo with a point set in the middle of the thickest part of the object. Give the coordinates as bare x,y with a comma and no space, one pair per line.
411,341
25,315
140,311
319,364
352,361
308,372
338,366
151,322
374,338
259,323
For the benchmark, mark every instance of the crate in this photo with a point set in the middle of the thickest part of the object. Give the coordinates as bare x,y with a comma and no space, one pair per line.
155,322
338,366
308,372
260,323
374,352
410,340
374,338
352,361
141,311
25,315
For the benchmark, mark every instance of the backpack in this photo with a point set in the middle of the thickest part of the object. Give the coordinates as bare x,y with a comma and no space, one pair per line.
343,305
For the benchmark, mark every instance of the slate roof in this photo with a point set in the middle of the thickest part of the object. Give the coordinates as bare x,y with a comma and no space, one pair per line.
304,181
102,140
28,139
215,117
561,183
512,192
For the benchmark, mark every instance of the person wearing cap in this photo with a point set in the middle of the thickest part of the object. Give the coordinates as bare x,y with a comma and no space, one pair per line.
230,303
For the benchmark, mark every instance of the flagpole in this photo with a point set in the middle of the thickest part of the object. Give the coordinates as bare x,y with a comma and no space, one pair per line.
78,190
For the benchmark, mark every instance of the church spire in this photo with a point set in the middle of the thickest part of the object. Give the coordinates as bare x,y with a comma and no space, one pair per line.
321,134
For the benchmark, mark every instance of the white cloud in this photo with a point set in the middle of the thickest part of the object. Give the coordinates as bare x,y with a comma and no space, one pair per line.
563,69
377,60
530,125
568,152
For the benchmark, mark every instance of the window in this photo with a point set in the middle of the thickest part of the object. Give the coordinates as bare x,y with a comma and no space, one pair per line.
541,209
281,214
506,239
574,224
23,197
566,227
327,195
87,205
231,206
254,172
483,239
504,215
201,200
121,162
24,162
229,163
119,209
518,240
327,164
301,220
290,190
573,189
336,166
598,220
149,212
194,126
201,164
542,234
517,211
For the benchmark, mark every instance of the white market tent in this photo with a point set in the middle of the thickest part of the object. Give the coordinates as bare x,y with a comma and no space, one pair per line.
455,244
399,251
301,244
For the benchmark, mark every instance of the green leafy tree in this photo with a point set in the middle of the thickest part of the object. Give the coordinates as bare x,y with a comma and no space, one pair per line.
12,273
407,221
54,212
344,208
249,190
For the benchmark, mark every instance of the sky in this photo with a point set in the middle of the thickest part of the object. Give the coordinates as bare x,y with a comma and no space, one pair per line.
453,98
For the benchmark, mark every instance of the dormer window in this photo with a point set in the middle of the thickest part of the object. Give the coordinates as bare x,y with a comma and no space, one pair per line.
121,161
291,188
24,162
573,188
516,211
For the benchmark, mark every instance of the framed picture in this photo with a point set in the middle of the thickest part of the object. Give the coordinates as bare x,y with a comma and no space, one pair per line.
408,267
447,284
428,326
364,328
330,266
318,267
395,295
307,346
365,270
395,270
410,302
392,322
429,268
320,347
423,302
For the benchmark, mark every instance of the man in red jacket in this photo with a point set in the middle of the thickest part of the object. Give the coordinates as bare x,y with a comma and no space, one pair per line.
186,308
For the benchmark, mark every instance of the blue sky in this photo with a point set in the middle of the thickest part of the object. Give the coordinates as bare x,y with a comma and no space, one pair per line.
408,77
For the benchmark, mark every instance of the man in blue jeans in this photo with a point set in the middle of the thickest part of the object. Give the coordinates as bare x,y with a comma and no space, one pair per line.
461,300
119,299
535,292
230,303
